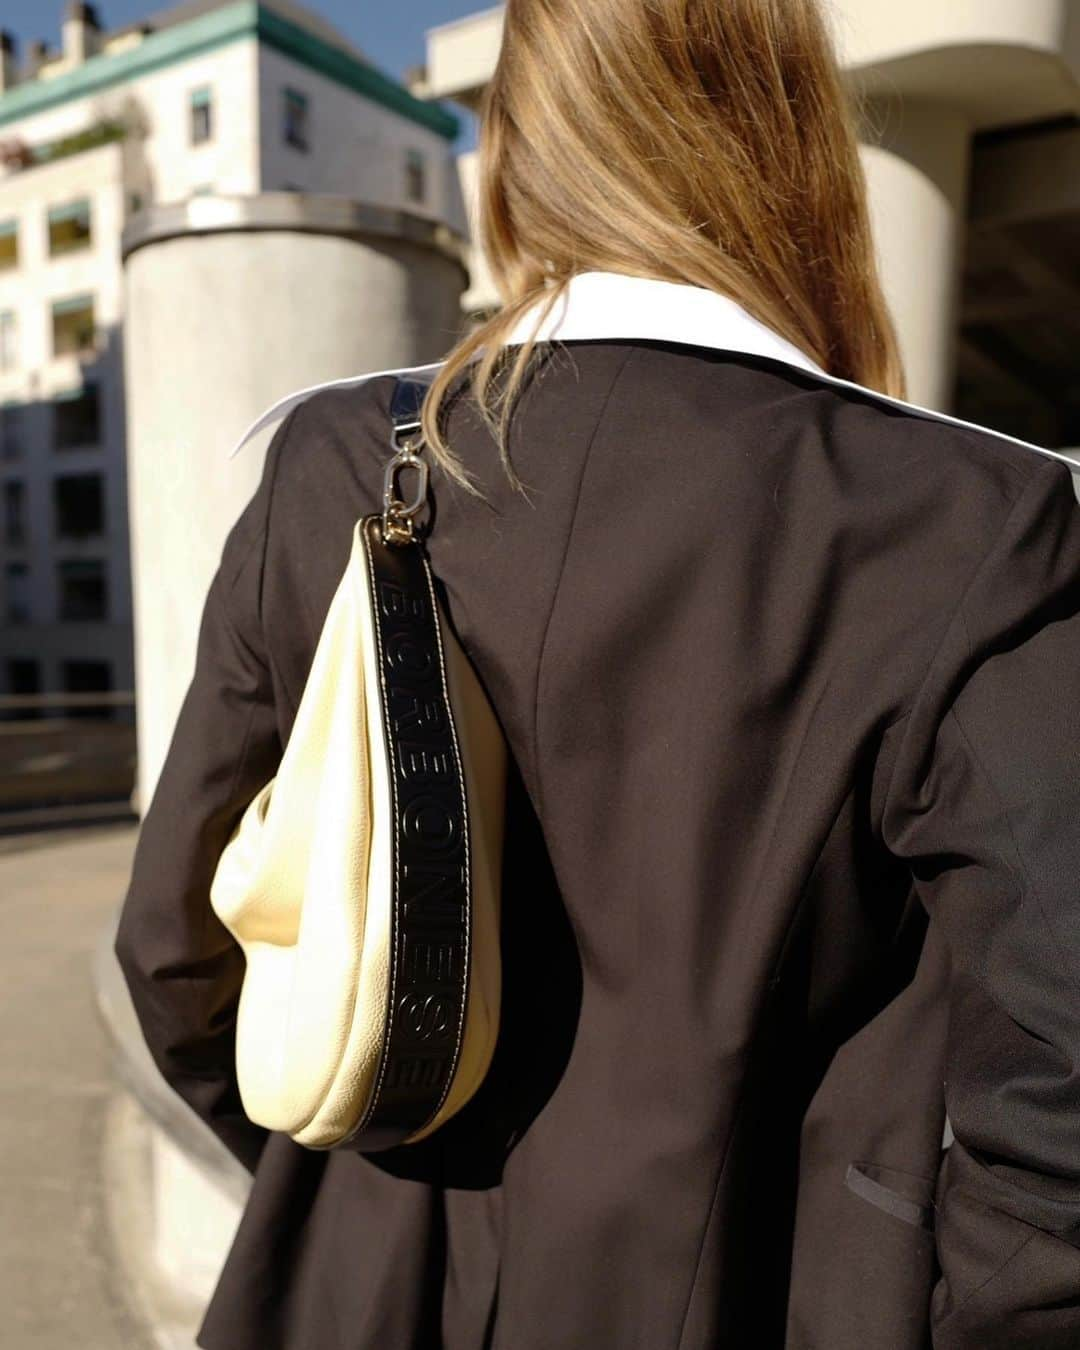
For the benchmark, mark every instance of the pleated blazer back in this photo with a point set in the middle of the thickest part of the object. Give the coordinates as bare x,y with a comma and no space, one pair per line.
790,676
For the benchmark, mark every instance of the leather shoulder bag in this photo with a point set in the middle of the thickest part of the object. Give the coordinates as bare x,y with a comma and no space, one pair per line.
363,882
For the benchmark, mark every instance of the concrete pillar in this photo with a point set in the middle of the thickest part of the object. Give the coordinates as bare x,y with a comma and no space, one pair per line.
917,166
230,304
482,293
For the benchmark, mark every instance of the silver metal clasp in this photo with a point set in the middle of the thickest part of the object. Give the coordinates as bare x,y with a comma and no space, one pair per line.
397,523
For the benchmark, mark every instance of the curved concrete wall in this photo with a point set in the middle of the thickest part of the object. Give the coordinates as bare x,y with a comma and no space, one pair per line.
917,183
997,61
873,33
928,48
230,304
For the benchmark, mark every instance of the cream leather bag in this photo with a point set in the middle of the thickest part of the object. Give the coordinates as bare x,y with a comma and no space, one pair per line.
363,880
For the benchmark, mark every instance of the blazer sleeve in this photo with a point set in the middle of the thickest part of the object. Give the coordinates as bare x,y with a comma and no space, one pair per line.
181,965
983,802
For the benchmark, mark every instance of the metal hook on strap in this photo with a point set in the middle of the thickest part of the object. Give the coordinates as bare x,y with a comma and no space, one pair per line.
405,406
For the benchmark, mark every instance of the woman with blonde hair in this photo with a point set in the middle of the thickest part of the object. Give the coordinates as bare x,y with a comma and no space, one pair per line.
789,1052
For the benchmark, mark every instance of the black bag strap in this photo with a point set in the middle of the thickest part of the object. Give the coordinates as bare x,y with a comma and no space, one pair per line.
432,902
405,405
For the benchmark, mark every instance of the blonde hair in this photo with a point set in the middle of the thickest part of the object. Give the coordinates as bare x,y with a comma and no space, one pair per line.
709,142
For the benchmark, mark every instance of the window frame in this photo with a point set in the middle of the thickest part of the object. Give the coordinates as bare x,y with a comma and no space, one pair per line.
78,208
89,390
74,304
201,100
294,98
416,161
61,532
9,340
71,684
12,614
11,428
65,569
9,229
28,663
14,524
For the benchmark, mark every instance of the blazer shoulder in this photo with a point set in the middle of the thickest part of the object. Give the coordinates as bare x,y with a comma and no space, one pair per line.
913,431
725,394
888,478
342,413
879,425
333,439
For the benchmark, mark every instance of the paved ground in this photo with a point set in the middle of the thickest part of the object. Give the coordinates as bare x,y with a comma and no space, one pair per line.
58,1282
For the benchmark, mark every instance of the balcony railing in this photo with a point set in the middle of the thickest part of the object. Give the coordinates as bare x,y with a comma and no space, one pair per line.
56,753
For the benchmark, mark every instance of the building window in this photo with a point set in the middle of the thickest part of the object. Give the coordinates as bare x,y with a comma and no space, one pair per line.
9,244
82,588
69,228
10,431
17,592
135,203
415,175
14,511
79,505
295,115
9,346
23,677
86,677
202,116
73,325
77,419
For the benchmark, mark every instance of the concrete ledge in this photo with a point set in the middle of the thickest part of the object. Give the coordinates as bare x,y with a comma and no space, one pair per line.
292,212
174,1192
992,85
461,56
1000,61
875,35
170,1315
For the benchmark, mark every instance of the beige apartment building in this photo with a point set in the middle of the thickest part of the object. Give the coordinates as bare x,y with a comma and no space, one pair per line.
972,151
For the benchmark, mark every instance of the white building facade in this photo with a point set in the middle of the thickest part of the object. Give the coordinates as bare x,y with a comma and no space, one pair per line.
971,145
209,98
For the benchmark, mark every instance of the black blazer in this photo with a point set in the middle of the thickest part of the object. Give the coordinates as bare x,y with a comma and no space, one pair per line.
791,680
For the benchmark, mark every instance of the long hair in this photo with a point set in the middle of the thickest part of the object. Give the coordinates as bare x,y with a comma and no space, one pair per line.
709,142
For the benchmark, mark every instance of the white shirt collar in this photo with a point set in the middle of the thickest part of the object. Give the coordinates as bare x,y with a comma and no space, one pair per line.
611,305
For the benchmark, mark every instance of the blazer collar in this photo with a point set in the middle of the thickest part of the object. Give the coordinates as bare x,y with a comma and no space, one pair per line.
600,305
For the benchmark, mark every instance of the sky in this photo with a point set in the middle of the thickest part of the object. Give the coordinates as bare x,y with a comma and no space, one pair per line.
392,35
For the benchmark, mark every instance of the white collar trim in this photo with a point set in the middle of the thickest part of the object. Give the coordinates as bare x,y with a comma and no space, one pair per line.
614,306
